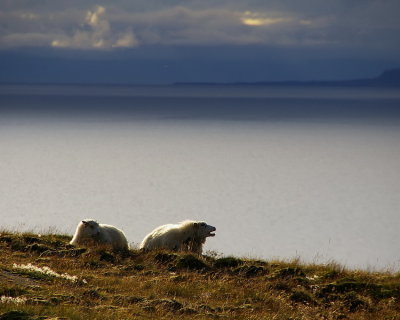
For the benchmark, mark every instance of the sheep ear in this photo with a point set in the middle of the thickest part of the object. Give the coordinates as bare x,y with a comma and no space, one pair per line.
84,222
196,224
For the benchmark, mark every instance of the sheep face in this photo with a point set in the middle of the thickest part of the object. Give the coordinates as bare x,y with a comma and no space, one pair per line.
204,230
90,228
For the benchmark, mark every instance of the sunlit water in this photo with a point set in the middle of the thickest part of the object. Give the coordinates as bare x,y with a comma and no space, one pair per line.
282,173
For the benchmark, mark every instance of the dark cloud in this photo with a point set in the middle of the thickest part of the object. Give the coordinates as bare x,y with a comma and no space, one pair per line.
225,40
104,25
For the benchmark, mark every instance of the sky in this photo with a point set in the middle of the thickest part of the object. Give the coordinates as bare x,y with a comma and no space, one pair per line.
158,42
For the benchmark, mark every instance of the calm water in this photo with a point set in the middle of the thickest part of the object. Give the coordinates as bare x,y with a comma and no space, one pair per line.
281,172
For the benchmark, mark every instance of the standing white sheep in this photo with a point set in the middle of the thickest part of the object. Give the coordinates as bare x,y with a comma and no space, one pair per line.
185,236
91,232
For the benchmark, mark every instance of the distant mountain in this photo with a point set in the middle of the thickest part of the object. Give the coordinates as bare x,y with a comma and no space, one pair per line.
389,78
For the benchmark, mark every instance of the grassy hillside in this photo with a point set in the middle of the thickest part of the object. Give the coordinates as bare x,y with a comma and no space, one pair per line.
43,277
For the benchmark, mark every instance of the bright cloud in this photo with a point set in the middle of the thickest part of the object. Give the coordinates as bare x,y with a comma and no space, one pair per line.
256,19
96,33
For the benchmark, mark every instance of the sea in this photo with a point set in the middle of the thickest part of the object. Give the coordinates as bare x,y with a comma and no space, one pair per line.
290,173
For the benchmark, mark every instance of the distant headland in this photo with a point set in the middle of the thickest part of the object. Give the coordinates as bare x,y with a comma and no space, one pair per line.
388,78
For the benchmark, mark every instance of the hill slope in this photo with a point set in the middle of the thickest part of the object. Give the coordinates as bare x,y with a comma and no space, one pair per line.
43,277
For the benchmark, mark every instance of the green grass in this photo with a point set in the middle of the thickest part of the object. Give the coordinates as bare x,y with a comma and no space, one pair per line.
166,285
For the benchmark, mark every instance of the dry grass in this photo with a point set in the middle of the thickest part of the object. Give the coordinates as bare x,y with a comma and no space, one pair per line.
57,280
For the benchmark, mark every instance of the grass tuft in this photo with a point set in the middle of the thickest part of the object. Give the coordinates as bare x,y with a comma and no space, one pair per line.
228,262
191,262
15,315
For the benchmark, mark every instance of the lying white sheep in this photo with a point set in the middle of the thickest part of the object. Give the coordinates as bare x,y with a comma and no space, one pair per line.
91,232
185,236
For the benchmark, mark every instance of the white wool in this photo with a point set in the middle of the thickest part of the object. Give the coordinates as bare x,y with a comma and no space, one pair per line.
90,231
186,236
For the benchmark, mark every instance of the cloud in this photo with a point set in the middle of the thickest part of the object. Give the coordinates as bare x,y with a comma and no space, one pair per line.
184,26
256,19
96,19
130,23
26,39
96,33
126,40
